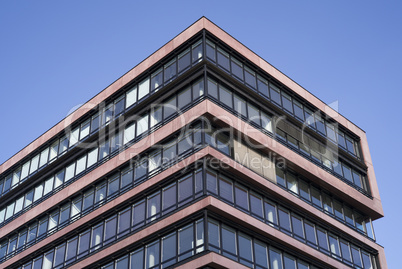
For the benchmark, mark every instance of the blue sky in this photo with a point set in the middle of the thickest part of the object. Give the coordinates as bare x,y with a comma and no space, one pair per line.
55,55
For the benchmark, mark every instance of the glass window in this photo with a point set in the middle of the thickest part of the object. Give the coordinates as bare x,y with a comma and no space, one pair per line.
211,50
71,249
81,164
327,201
110,229
262,86
266,122
100,193
131,96
213,235
245,250
119,106
12,244
250,77
184,60
345,251
139,214
185,188
116,141
292,183
53,220
43,223
237,69
322,239
316,197
298,110
156,79
366,261
211,183
168,250
126,177
226,189
356,256
341,139
88,199
83,244
7,183
310,233
156,116
33,228
350,145
320,125
197,51
152,254
241,197
304,190
357,179
212,89
229,242
53,152
256,205
84,129
124,222
59,178
10,210
275,94
22,238
48,186
70,171
95,122
92,157
44,157
59,254
169,198
198,89
170,70
76,207
284,220
64,213
186,241
287,102
338,210
113,185
34,163
297,226
38,192
347,172
137,259
223,59
348,215
104,150
334,245
140,171
143,88
270,213
289,262
29,198
280,177
225,96
240,105
19,204
261,255
97,236
153,203
169,108
253,114
275,258
184,98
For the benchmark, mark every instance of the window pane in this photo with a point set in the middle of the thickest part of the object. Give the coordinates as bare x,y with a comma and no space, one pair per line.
34,164
241,197
298,110
83,244
97,237
124,221
84,130
213,234
92,157
185,188
59,254
211,50
226,189
275,258
270,213
184,60
310,233
315,194
304,190
44,157
110,229
345,251
113,185
131,96
228,242
186,241
169,108
169,249
225,96
138,214
137,259
143,88
289,262
256,205
38,192
169,198
250,77
275,95
212,89
81,164
129,133
153,207
297,226
292,183
356,256
245,250
184,98
170,70
152,254
284,221
211,183
322,239
223,59
261,257
334,245
327,201
237,69
287,102
240,105
156,79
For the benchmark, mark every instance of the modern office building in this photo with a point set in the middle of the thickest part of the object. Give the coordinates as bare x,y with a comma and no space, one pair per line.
202,156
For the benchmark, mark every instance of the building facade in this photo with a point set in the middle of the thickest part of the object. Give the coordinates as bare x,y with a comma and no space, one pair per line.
202,156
